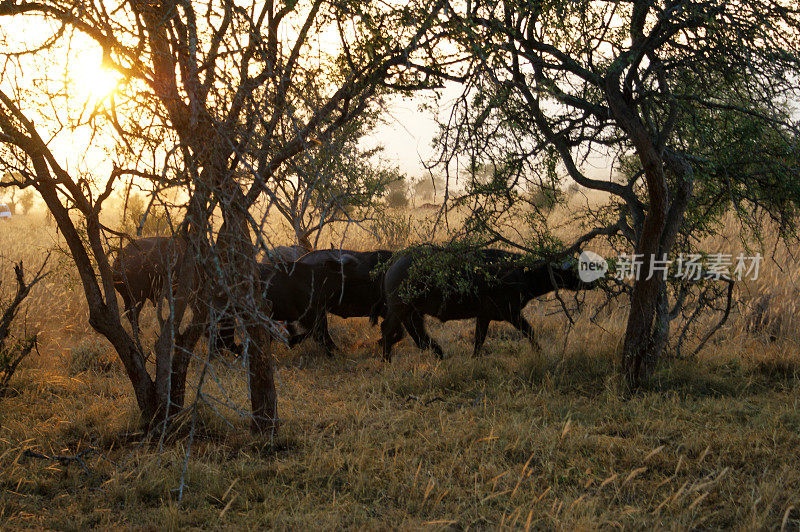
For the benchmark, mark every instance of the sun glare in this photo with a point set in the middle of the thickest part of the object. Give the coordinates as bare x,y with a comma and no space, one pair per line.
92,80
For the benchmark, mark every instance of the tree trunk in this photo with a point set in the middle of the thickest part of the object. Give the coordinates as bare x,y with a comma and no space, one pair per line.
637,351
101,318
638,357
143,387
662,319
172,349
263,397
680,197
241,275
180,362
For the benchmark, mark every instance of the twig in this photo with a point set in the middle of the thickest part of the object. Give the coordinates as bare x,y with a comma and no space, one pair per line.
23,289
424,403
65,460
563,307
722,320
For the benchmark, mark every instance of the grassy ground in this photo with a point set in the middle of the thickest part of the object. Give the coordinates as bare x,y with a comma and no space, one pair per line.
516,438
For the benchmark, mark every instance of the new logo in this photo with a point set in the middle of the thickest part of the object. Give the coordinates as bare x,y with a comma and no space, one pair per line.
591,266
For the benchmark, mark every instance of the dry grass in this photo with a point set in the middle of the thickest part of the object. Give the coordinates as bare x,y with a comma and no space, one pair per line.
515,439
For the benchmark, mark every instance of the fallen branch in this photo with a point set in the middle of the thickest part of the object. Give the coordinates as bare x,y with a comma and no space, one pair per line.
424,403
64,460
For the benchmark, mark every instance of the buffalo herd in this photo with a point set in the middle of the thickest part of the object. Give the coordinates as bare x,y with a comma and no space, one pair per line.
401,287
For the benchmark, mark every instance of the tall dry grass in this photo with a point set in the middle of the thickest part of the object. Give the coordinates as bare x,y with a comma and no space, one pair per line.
516,439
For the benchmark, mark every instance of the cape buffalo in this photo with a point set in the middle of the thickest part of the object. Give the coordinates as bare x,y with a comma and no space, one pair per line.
299,292
353,295
494,286
139,271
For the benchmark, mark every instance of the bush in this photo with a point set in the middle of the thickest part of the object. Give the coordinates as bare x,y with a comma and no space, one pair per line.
397,194
91,355
393,232
544,198
26,199
10,359
157,222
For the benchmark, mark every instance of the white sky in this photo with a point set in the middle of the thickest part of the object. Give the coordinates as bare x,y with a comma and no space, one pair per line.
408,133
407,136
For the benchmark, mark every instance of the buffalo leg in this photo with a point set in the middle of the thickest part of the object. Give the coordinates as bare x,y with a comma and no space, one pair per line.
224,337
318,325
323,335
415,325
522,324
294,336
481,328
392,332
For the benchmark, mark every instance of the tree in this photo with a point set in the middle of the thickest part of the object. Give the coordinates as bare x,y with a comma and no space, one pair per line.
26,199
213,100
550,83
17,197
427,187
397,190
8,182
338,181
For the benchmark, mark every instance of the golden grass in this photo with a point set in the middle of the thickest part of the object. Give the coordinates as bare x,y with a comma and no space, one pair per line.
515,439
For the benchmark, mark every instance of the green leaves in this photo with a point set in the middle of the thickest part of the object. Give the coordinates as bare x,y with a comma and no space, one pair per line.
450,270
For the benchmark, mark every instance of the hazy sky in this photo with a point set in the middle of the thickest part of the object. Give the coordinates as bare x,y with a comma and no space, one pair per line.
408,132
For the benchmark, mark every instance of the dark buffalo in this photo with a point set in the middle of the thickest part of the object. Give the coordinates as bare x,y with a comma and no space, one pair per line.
140,270
356,294
496,287
347,283
299,292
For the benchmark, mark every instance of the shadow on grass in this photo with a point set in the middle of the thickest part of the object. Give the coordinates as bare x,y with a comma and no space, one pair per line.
722,379
590,375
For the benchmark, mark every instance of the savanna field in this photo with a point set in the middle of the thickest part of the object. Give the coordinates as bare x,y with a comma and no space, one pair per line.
516,439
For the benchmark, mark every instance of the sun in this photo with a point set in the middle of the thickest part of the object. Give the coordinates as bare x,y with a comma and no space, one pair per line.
91,80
